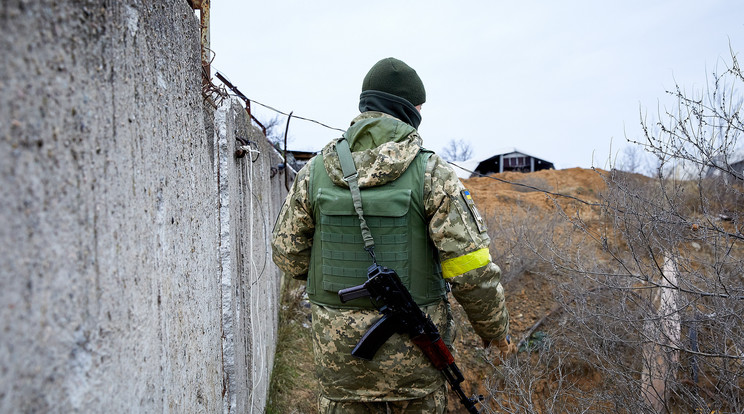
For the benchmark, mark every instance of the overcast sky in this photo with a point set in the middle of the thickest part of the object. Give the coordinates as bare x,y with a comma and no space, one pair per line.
562,81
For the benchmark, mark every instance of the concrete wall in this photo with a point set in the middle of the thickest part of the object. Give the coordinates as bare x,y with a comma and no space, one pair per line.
131,249
250,198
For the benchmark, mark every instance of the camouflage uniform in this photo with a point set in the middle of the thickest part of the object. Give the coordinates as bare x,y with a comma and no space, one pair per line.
399,370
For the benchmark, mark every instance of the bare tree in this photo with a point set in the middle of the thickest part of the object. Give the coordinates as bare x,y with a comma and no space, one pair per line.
457,150
683,326
275,131
651,297
634,159
701,135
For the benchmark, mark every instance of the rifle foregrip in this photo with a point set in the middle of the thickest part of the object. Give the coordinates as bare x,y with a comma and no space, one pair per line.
435,350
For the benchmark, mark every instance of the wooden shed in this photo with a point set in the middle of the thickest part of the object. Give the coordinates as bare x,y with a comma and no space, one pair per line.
512,160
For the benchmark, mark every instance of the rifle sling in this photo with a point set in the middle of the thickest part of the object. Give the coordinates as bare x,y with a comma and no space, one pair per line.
350,176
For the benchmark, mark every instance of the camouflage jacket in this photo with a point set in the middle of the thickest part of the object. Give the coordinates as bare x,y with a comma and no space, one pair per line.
399,371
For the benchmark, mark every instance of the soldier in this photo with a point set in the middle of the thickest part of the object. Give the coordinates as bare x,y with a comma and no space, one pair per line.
425,227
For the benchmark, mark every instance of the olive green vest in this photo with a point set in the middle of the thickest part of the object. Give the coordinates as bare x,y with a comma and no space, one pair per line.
396,217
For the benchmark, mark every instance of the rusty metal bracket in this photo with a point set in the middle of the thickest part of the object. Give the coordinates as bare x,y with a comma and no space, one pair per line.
247,147
243,97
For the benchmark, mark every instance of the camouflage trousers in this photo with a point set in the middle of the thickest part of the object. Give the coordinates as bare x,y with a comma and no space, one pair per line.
434,403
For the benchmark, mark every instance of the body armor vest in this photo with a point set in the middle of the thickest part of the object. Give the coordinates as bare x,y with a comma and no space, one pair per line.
396,217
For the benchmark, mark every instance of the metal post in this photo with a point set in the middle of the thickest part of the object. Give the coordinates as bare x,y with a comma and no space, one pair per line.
203,7
205,41
286,167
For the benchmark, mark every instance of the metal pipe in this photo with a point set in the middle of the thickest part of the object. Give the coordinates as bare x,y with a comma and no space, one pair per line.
205,41
286,167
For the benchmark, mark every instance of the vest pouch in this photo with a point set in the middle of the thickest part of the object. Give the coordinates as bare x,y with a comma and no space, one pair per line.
343,260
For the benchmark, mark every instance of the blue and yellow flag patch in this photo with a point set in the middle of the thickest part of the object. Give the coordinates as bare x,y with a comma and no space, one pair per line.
474,211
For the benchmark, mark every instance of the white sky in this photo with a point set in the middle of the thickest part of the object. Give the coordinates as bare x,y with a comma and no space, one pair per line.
563,81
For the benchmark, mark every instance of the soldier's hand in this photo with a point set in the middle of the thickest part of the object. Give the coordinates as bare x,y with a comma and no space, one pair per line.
505,346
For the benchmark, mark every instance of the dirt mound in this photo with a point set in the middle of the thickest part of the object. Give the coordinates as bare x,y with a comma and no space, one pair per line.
534,197
570,180
540,189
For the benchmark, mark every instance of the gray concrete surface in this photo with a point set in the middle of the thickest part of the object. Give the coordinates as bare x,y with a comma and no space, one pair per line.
124,276
250,292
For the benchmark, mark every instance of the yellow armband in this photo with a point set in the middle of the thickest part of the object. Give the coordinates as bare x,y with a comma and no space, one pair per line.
462,264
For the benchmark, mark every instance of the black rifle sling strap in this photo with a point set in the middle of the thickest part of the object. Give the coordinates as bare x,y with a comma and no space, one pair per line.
350,176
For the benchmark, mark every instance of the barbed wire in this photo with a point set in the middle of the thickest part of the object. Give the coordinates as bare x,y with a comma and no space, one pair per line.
293,115
451,163
278,111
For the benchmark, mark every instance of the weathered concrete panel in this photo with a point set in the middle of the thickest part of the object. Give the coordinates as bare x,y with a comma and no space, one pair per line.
249,202
109,237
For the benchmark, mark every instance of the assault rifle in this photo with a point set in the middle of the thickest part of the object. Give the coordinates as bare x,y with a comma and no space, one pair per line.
402,315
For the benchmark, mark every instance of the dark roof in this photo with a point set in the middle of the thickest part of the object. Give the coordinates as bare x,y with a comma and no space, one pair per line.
302,155
513,161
